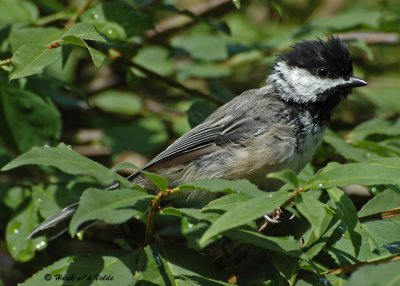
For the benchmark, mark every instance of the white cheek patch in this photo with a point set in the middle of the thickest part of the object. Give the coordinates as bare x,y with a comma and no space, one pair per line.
299,85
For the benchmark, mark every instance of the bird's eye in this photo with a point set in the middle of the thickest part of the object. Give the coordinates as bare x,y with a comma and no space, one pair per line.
322,72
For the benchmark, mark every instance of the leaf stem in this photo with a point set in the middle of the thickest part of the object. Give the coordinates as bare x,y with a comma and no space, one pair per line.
155,206
5,62
78,13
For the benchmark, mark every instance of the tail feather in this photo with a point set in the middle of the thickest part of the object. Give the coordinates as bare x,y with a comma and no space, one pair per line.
55,225
58,224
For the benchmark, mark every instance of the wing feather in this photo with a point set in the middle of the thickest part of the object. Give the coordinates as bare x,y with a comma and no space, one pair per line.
199,137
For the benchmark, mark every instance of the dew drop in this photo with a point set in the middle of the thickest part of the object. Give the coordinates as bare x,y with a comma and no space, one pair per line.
324,281
46,146
158,260
41,245
95,15
79,235
15,230
320,186
190,225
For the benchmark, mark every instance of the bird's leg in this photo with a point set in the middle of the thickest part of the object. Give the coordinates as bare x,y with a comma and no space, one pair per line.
271,218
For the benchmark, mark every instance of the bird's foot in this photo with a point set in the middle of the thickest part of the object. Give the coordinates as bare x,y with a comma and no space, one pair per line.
271,218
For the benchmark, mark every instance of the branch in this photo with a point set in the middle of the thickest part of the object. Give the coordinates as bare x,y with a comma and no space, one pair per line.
180,21
353,267
371,37
78,13
170,82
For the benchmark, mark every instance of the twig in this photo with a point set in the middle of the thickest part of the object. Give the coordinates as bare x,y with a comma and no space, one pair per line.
51,18
371,37
6,62
170,82
182,20
78,13
353,267
155,206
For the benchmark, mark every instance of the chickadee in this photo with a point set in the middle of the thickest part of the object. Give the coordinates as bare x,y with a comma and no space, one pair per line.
275,127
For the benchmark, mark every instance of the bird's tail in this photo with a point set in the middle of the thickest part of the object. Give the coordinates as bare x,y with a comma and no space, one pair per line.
55,225
58,223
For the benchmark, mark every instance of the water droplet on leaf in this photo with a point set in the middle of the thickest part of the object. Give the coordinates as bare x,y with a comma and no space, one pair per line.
41,245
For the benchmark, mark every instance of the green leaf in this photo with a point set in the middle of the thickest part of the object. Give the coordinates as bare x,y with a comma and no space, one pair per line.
246,212
30,119
203,47
17,11
374,126
38,35
387,274
193,214
154,58
150,270
387,200
203,70
112,207
199,111
118,102
350,19
374,172
187,267
344,252
118,19
387,100
65,159
344,208
220,92
84,31
18,228
286,265
159,181
150,136
87,270
381,149
226,202
346,211
31,59
313,210
345,149
385,234
287,246
225,186
236,3
98,57
287,176
50,199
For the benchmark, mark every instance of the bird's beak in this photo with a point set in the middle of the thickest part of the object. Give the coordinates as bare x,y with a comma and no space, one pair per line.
355,82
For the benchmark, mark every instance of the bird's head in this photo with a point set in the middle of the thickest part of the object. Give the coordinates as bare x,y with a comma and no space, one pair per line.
315,72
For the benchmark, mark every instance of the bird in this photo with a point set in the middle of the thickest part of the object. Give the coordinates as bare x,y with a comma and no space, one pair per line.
277,126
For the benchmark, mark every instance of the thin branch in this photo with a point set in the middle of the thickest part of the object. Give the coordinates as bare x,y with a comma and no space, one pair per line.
180,21
353,267
175,84
371,38
78,13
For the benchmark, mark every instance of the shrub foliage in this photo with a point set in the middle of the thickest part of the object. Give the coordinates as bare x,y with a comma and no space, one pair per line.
117,80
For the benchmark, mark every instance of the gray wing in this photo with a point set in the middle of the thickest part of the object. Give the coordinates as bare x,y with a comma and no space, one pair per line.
207,136
199,137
